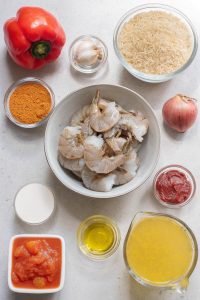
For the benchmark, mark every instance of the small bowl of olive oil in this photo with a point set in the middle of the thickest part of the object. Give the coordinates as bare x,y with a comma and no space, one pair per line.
98,237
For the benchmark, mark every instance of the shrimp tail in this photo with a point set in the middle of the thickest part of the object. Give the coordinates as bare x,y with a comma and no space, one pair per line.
96,97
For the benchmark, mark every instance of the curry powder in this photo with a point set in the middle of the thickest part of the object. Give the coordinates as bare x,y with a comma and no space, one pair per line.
30,103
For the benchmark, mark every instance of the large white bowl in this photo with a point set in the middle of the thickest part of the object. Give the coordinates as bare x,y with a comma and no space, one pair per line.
128,99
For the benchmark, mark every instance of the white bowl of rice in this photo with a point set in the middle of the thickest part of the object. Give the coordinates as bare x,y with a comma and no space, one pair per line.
155,42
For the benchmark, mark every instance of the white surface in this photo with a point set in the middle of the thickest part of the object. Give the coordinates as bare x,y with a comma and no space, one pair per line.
34,203
36,291
23,159
148,153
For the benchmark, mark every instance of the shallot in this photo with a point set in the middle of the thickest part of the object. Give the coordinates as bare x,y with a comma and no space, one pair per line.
180,112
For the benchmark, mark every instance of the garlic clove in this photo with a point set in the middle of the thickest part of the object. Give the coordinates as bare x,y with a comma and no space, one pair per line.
87,57
85,44
100,55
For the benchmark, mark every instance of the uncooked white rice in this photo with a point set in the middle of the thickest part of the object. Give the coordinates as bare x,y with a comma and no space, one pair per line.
155,42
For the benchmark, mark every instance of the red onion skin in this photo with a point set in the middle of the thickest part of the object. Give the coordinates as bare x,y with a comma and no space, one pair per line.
180,112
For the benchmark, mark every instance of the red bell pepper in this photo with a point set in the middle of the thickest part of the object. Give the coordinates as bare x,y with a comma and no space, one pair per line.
34,37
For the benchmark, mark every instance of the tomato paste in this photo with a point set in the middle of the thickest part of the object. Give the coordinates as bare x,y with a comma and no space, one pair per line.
36,263
173,187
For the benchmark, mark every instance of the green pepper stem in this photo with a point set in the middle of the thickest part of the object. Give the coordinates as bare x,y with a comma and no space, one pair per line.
40,49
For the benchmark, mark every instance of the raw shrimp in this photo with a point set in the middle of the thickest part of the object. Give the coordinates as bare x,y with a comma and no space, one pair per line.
103,115
75,165
135,124
111,132
103,103
119,136
71,142
79,117
117,144
137,114
86,128
122,176
132,122
132,162
77,173
101,145
97,160
121,109
128,170
97,182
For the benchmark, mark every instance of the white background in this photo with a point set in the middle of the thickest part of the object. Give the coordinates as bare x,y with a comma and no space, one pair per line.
22,158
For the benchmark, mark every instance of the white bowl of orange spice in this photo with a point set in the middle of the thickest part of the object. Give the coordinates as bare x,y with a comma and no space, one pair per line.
155,42
29,102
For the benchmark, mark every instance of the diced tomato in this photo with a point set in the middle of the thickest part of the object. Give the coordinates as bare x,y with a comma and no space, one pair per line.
36,263
21,252
33,247
15,279
37,259
39,282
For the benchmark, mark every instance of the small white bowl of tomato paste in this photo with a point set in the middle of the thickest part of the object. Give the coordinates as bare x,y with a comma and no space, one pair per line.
174,186
36,263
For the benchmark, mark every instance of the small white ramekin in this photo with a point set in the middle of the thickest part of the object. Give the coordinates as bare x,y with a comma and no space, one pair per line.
36,291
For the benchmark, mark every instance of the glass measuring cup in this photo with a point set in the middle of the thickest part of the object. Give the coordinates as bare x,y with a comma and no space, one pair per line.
146,247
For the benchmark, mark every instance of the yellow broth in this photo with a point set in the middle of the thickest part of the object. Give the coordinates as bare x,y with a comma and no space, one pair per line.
159,250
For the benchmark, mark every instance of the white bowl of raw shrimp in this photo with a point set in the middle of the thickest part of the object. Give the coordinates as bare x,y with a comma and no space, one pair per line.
128,100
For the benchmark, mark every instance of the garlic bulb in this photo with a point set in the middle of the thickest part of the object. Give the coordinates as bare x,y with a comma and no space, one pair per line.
85,44
87,52
87,57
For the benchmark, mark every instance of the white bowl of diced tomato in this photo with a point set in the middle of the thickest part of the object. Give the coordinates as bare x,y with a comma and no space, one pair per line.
36,263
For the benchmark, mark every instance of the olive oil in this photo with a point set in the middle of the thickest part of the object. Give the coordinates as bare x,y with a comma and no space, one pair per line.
98,237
